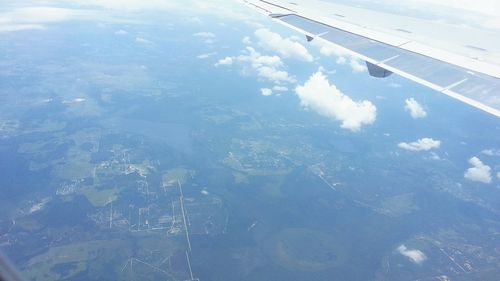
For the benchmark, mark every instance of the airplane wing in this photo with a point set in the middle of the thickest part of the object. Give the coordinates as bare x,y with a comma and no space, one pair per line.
458,61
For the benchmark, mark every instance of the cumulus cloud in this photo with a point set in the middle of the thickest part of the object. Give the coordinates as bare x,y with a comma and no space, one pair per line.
267,67
330,50
258,60
341,60
343,56
319,95
357,66
415,109
415,256
273,74
246,40
491,152
225,61
421,145
266,92
478,172
286,47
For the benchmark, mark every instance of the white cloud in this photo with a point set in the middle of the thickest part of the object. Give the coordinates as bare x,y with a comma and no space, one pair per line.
206,56
343,56
225,61
246,40
206,35
415,256
74,101
341,60
35,18
258,60
435,157
266,92
267,67
142,40
20,27
415,109
189,9
279,88
357,66
330,50
283,46
421,145
319,95
273,74
498,175
478,172
491,152
121,32
196,20
39,15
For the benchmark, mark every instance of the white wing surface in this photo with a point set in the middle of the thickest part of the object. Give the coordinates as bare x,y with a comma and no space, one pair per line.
458,61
